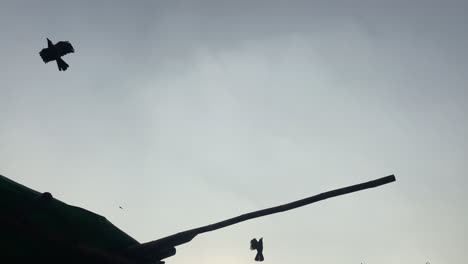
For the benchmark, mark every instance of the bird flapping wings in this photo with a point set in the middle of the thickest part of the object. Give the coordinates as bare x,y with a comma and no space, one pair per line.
64,47
257,245
55,53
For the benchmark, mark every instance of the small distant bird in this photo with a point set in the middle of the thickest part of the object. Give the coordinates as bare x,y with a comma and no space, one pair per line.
120,207
257,245
55,52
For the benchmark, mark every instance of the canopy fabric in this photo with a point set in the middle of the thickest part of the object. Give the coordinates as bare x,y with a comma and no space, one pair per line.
33,223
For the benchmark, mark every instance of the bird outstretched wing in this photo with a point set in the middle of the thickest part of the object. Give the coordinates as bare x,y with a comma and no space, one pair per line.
64,47
253,244
47,55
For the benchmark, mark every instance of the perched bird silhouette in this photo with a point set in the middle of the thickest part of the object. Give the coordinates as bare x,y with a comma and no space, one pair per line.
257,245
55,52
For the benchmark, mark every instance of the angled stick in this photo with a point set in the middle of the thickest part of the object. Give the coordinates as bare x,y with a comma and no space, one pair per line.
186,236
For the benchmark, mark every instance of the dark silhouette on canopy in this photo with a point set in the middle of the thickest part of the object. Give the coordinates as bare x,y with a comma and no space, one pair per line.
55,52
257,245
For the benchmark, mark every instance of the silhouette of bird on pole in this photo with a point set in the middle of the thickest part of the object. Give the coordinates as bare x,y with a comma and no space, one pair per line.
55,52
257,245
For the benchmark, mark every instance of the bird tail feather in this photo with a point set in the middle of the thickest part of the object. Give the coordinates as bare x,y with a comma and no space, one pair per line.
62,65
259,257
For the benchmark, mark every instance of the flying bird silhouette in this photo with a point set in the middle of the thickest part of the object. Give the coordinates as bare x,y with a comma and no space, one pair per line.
55,52
257,245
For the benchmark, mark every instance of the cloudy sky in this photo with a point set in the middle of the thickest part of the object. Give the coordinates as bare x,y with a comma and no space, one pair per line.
189,112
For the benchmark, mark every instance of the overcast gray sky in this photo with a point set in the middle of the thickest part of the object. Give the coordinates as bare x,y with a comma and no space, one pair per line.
189,112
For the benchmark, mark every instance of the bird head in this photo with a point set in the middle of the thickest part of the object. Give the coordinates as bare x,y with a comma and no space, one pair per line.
49,42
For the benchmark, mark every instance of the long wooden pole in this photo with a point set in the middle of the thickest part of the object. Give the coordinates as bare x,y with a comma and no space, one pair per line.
186,236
